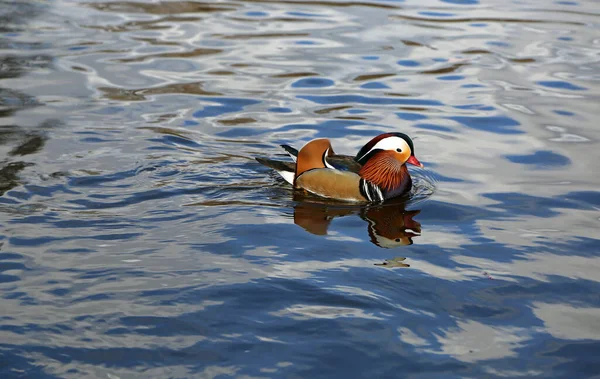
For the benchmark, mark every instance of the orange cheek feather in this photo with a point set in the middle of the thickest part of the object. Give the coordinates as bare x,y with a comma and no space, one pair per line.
402,157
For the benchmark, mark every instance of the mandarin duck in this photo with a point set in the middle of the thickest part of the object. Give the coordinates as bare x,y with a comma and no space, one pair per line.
377,173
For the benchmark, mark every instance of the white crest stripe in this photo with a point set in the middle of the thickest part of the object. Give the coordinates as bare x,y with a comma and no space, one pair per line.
388,143
325,160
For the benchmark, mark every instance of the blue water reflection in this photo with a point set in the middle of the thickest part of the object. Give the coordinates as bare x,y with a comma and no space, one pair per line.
540,159
142,240
228,105
313,82
559,84
340,99
495,124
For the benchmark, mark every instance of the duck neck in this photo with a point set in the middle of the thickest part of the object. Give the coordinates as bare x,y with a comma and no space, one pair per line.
391,177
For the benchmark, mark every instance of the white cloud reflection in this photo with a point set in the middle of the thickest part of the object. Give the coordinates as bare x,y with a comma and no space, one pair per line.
471,341
537,266
569,322
307,312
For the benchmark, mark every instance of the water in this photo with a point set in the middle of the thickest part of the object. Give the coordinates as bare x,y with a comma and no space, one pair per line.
141,239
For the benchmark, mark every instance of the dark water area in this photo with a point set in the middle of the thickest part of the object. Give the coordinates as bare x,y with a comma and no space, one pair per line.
142,240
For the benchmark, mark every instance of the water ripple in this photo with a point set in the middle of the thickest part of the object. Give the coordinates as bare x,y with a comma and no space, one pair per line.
141,238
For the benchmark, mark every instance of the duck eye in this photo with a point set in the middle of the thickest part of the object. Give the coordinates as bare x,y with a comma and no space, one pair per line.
399,150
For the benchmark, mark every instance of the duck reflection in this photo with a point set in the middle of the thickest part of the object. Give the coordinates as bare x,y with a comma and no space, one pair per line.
389,225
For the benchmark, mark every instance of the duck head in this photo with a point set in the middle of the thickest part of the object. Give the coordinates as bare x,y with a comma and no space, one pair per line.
396,145
383,161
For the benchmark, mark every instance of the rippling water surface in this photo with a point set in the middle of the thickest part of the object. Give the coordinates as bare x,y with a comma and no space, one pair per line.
142,240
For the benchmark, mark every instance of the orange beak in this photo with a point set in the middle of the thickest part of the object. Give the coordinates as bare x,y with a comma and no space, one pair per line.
414,161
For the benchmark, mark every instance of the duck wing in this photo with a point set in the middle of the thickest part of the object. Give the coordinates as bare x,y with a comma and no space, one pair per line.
339,162
344,163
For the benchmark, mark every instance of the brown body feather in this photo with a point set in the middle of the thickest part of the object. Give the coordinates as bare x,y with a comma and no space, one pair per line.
313,175
330,183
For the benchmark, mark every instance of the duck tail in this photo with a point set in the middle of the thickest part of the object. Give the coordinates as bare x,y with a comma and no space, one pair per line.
293,152
285,169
